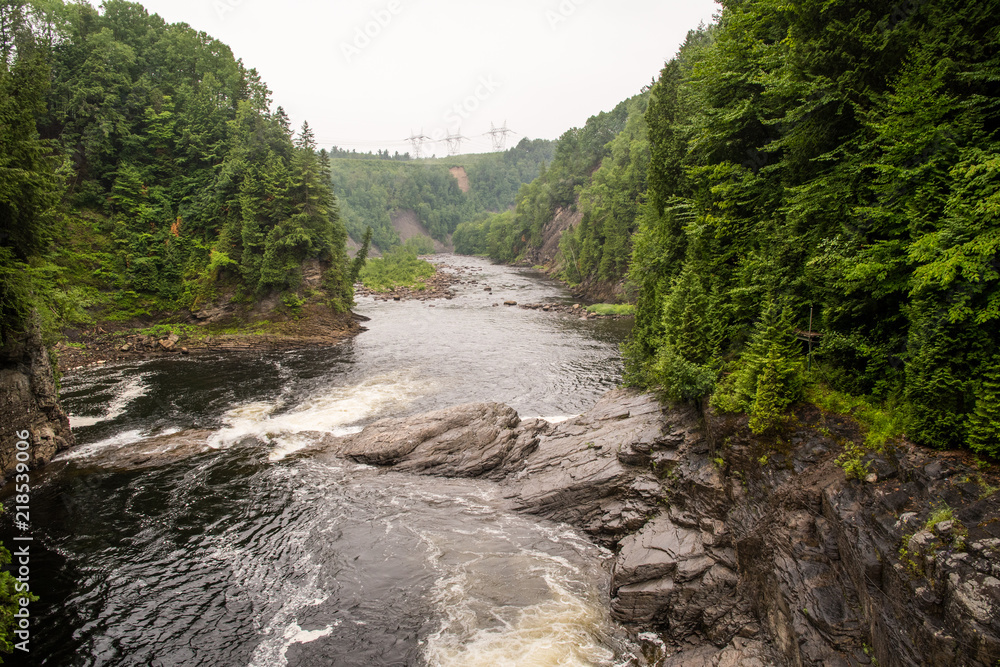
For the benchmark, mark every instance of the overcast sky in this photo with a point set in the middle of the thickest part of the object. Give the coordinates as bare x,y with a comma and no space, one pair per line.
368,74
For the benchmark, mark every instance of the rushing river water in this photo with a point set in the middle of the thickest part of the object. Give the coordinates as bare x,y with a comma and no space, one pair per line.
255,554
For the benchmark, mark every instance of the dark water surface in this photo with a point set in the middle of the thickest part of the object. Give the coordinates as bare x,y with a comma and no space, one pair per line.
254,554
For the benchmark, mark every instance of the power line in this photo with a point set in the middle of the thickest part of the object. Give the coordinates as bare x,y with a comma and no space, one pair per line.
419,141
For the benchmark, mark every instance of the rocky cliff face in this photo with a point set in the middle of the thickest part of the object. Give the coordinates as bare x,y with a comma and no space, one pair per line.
738,551
29,404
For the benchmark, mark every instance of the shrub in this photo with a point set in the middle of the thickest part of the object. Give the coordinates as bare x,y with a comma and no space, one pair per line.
399,267
681,379
612,309
852,461
420,245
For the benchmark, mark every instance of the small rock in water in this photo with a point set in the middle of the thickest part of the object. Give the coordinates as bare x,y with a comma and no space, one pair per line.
184,350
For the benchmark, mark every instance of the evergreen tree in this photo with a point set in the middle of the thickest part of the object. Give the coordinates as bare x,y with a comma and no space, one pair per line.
281,118
772,342
773,395
359,260
984,421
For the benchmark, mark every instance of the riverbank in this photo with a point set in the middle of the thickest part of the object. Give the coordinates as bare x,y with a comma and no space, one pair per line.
315,325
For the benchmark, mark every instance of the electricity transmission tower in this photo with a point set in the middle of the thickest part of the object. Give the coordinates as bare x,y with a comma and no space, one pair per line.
499,136
417,141
455,142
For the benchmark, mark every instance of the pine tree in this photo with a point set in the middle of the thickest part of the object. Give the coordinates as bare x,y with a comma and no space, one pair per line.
361,257
283,122
686,317
772,343
306,139
772,395
984,422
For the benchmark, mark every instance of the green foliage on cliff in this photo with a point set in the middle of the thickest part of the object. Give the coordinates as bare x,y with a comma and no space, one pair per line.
29,187
842,158
984,421
839,158
600,246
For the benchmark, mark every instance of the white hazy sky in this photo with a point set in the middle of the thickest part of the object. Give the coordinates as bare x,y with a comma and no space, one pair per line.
543,66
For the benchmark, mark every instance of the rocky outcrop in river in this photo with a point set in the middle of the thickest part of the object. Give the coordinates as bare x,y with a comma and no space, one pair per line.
739,551
29,406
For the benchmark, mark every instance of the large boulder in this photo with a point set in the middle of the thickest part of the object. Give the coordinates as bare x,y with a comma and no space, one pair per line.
474,440
596,471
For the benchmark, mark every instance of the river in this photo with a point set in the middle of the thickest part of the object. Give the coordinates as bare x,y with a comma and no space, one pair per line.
255,554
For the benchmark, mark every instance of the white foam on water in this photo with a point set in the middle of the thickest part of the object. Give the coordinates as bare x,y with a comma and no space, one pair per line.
256,574
272,652
285,445
558,419
118,441
335,411
559,631
130,389
296,635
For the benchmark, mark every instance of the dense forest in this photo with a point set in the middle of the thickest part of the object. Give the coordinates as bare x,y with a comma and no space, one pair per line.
144,171
371,190
830,162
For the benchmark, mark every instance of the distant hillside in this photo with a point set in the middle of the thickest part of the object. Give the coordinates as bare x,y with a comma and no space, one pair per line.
578,215
441,193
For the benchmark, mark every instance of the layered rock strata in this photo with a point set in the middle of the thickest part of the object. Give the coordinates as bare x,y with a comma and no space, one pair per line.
737,550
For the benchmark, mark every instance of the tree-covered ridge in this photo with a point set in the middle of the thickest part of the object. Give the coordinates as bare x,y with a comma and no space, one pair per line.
371,189
178,182
578,152
841,157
